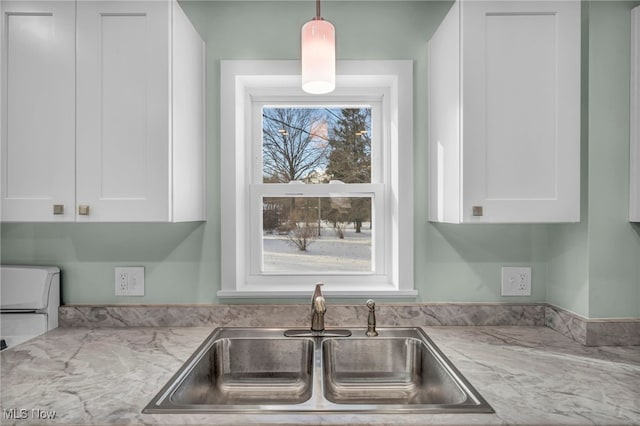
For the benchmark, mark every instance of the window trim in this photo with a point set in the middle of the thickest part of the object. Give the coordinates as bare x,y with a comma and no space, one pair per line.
244,82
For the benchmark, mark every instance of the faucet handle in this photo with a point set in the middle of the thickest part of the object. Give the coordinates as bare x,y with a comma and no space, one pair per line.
371,319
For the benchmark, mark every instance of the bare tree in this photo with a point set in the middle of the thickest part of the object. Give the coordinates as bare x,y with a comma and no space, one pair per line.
302,235
339,228
292,148
303,232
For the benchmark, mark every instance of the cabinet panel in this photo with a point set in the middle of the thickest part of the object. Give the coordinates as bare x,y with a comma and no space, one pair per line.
122,75
521,88
189,121
520,107
123,110
38,107
634,172
505,145
444,120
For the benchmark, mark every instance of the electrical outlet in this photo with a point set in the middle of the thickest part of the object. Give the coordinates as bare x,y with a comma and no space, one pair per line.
129,281
516,281
122,282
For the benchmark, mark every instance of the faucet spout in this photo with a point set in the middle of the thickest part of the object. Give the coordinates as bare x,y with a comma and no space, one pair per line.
318,308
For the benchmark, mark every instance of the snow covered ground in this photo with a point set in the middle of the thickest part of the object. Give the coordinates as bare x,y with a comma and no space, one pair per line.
327,253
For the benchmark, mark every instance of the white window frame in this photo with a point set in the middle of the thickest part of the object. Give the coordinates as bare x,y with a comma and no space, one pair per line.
247,85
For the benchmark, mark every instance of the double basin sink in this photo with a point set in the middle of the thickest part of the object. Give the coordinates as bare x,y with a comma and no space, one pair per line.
248,370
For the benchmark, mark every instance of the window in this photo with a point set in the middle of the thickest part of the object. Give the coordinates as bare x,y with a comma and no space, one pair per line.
308,229
316,187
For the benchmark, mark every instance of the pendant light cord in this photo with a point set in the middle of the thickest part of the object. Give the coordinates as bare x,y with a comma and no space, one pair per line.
318,10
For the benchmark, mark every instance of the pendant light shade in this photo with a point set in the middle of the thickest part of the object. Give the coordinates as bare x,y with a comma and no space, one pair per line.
318,55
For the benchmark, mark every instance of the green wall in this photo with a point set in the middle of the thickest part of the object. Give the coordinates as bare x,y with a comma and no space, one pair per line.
457,263
568,284
614,244
594,266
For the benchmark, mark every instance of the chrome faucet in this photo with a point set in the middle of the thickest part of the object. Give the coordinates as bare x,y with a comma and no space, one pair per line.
318,308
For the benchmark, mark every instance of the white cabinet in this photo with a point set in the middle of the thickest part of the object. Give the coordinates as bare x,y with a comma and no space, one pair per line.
137,119
140,112
37,95
634,173
504,113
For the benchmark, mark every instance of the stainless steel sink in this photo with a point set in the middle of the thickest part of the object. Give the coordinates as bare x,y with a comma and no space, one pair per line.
249,371
246,370
387,371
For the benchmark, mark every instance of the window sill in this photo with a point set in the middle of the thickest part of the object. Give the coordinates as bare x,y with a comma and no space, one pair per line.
291,294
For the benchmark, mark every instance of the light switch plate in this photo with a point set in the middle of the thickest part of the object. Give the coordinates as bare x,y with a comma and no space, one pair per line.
129,281
516,281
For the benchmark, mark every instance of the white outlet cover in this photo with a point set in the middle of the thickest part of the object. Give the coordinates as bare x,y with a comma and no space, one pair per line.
129,281
516,281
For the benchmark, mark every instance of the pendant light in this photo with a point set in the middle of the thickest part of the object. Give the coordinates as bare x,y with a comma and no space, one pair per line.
318,55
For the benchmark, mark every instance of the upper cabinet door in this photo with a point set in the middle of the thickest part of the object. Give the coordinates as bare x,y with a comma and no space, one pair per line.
37,94
505,135
634,175
123,110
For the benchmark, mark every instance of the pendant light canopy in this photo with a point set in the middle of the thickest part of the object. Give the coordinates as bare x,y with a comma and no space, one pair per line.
318,55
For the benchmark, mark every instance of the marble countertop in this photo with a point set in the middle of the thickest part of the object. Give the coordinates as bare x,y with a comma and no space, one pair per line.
530,375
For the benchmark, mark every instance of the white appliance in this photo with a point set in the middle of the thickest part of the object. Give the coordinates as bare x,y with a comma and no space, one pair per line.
29,301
